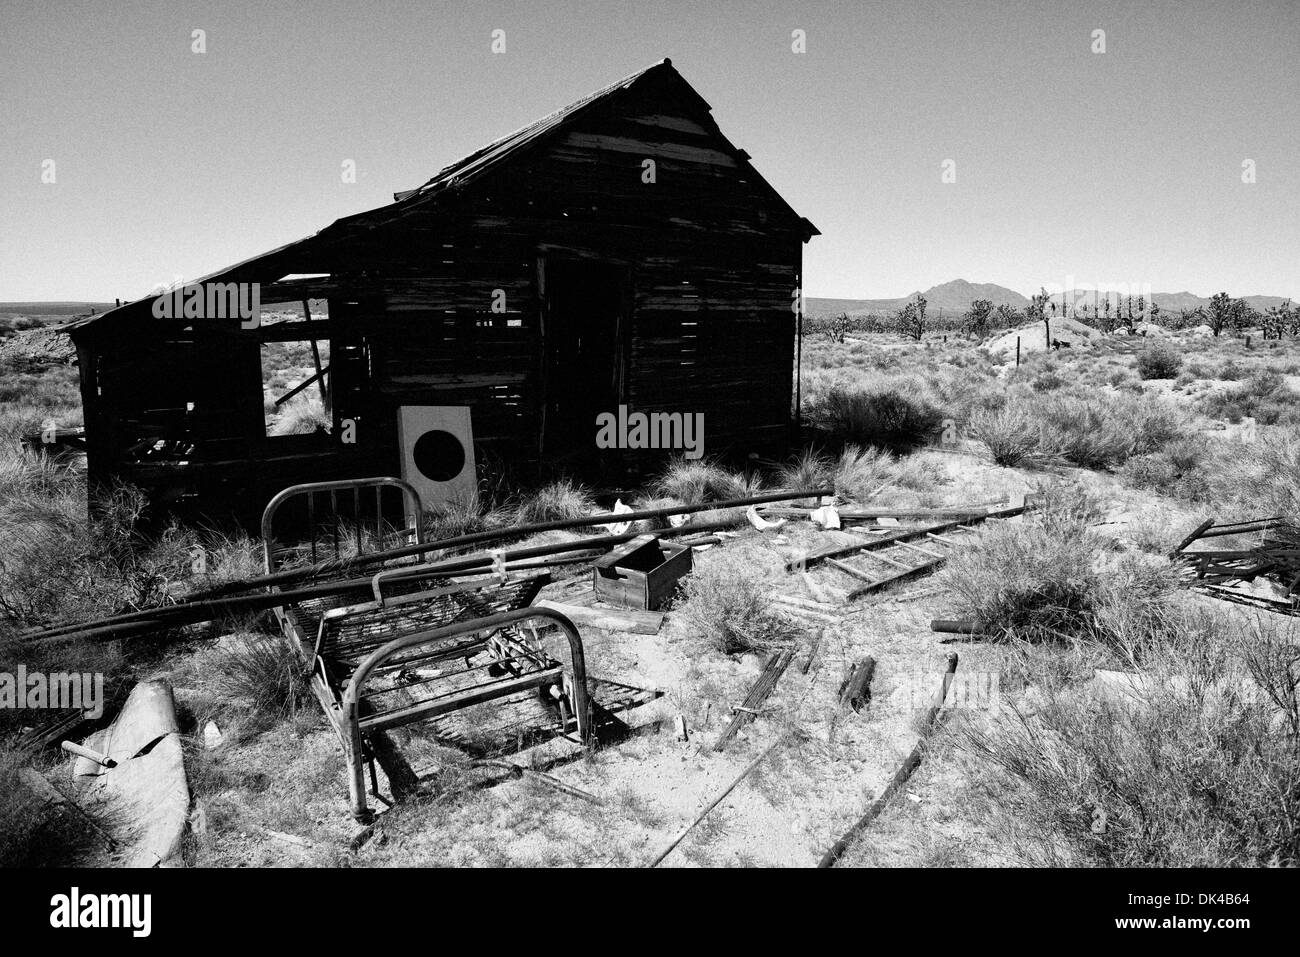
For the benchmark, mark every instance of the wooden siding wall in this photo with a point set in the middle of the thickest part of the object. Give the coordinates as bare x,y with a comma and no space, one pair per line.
713,259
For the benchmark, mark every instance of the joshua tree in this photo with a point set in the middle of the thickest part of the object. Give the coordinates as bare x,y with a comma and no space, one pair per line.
911,321
1220,312
976,320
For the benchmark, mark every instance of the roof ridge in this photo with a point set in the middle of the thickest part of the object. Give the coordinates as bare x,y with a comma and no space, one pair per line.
447,173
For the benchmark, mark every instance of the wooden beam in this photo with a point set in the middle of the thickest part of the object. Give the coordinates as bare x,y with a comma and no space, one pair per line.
776,664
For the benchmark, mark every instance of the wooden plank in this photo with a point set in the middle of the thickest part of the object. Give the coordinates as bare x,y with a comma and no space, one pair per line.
889,580
776,664
885,558
905,771
918,548
850,570
855,691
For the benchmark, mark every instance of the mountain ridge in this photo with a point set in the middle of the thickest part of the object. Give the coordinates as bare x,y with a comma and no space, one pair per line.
956,296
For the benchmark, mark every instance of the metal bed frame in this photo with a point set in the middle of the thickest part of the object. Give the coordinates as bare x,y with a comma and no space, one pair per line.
418,644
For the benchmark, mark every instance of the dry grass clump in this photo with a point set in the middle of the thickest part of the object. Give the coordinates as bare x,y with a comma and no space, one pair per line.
562,500
1196,766
33,833
455,518
885,418
256,674
302,415
58,565
861,474
31,398
727,600
807,469
693,482
1264,475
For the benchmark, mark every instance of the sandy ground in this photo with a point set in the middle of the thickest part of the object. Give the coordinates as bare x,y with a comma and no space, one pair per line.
279,797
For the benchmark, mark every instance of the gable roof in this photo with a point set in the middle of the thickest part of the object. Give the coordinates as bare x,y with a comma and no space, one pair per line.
470,168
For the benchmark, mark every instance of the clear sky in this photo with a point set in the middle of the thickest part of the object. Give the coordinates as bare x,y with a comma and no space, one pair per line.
1115,167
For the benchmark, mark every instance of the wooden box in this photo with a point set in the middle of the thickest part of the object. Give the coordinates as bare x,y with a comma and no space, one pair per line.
642,574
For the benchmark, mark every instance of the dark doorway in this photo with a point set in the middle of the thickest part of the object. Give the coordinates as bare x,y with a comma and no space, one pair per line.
584,360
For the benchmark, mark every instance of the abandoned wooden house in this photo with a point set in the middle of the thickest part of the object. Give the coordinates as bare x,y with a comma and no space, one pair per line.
618,252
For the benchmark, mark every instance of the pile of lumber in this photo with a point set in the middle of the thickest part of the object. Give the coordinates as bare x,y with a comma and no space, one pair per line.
1271,552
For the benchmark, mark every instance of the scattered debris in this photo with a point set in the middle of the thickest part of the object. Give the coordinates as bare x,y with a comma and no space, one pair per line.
103,760
681,835
679,728
1223,572
901,776
855,689
641,574
145,793
543,778
958,626
773,669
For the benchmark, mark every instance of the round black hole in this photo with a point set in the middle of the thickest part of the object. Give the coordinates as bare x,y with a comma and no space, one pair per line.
439,455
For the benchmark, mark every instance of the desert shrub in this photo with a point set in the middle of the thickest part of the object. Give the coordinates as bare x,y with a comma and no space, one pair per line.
1231,371
1104,431
1263,476
33,834
561,500
695,481
1263,396
57,564
1187,770
302,415
727,599
884,418
1159,361
1011,433
259,674
1178,470
1046,381
807,469
1029,580
862,473
452,519
1045,579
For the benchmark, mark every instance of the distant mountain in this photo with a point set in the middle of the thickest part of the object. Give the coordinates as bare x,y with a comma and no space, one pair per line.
1167,301
954,296
957,295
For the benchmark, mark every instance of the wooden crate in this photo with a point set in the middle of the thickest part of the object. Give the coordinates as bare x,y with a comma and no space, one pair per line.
641,574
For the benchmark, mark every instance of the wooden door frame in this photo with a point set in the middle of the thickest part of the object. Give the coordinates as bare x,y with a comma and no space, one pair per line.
622,332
